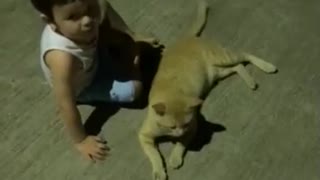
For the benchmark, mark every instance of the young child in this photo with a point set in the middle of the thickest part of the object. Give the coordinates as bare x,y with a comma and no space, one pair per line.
74,69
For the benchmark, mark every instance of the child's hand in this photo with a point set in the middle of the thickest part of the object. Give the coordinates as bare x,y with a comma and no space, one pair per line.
154,42
93,148
150,40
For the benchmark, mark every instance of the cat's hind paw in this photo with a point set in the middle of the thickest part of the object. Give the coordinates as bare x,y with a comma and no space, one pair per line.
159,174
175,161
270,68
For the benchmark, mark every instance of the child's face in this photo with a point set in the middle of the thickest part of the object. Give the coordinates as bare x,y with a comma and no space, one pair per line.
78,20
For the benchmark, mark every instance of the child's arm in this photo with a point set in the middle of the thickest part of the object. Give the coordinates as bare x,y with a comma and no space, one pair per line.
63,67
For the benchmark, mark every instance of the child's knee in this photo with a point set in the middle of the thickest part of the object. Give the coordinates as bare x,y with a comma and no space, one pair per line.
126,91
138,88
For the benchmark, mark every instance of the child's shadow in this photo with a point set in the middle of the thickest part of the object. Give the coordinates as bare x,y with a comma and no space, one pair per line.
99,117
150,58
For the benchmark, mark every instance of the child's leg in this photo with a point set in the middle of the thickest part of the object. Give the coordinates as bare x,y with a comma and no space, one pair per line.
111,92
111,85
127,91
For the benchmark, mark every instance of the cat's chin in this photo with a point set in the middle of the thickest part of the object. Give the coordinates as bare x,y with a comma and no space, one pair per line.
177,134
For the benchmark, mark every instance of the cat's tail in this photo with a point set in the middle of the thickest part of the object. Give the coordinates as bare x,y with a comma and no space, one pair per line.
201,19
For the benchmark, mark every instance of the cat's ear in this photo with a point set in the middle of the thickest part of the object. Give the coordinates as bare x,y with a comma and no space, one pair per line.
195,102
159,108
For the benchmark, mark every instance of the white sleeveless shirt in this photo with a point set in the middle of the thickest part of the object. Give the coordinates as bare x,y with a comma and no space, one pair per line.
50,40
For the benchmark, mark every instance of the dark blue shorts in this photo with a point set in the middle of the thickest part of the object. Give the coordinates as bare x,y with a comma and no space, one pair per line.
105,87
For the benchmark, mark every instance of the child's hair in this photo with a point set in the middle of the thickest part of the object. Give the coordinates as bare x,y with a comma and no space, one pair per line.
45,6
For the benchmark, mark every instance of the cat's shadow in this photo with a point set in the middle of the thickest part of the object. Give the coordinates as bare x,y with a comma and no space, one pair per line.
204,135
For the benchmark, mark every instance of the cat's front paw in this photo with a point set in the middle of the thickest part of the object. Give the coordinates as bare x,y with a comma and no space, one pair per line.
159,174
175,161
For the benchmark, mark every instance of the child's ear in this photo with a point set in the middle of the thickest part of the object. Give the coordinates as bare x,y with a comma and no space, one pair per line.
159,108
48,21
44,18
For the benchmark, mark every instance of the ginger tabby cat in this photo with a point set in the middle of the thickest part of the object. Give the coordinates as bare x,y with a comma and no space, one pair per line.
186,72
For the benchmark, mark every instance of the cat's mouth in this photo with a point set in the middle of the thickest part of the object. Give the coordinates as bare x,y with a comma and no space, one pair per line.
177,132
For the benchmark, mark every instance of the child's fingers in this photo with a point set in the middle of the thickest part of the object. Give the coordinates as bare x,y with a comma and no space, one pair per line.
156,41
103,147
99,156
153,41
89,157
102,153
100,140
102,144
157,46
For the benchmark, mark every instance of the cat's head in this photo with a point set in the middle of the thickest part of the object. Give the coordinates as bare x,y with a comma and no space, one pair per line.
176,115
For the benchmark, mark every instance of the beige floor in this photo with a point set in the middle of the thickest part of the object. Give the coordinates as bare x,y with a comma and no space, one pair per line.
270,134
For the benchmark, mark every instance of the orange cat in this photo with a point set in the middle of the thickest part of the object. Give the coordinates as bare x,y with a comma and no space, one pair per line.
186,72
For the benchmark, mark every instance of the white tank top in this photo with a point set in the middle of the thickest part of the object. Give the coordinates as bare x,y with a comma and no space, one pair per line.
50,40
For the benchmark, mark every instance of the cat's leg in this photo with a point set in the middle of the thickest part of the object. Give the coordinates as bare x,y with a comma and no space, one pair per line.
149,147
232,58
243,73
179,150
260,63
